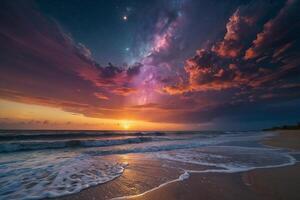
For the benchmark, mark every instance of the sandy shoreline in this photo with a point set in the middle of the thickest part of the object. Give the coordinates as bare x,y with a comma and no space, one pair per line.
270,183
285,139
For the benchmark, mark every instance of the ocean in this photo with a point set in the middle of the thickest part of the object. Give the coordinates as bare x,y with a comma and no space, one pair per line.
45,164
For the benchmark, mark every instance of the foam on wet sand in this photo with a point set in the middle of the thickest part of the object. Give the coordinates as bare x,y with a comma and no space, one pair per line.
265,182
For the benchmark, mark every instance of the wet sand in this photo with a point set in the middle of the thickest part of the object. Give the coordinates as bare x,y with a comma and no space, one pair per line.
142,174
277,183
210,186
130,183
263,184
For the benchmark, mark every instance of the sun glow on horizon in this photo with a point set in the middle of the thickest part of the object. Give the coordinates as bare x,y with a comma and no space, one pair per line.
126,124
15,115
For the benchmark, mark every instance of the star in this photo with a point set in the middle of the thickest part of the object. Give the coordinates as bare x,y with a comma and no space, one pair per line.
125,18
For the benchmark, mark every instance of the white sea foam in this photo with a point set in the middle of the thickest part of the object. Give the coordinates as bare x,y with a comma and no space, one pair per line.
230,158
38,178
182,177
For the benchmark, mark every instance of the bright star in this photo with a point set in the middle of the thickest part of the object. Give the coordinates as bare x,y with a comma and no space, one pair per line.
125,18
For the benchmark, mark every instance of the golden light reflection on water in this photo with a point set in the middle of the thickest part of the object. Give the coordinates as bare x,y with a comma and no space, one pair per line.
124,159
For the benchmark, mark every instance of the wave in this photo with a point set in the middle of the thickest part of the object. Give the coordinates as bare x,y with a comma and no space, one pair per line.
179,141
178,144
8,135
57,144
58,141
34,135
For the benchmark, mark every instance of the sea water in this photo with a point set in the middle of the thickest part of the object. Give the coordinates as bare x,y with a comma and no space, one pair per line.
44,164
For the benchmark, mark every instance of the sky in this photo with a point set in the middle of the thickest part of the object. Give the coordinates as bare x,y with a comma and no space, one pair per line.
149,65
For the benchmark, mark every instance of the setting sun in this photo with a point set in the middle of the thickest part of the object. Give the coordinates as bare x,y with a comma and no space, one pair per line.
125,124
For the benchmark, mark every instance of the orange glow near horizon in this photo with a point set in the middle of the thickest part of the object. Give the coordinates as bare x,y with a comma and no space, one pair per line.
126,124
15,115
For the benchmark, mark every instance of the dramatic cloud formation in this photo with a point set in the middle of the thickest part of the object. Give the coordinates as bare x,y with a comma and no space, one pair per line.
224,65
265,70
277,33
249,67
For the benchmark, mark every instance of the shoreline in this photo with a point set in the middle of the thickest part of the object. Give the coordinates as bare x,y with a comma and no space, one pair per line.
256,183
288,139
190,173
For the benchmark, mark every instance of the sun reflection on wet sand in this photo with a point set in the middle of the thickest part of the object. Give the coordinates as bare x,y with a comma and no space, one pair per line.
141,174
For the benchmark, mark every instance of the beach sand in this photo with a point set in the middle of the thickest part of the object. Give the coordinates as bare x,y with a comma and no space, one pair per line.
265,184
285,139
